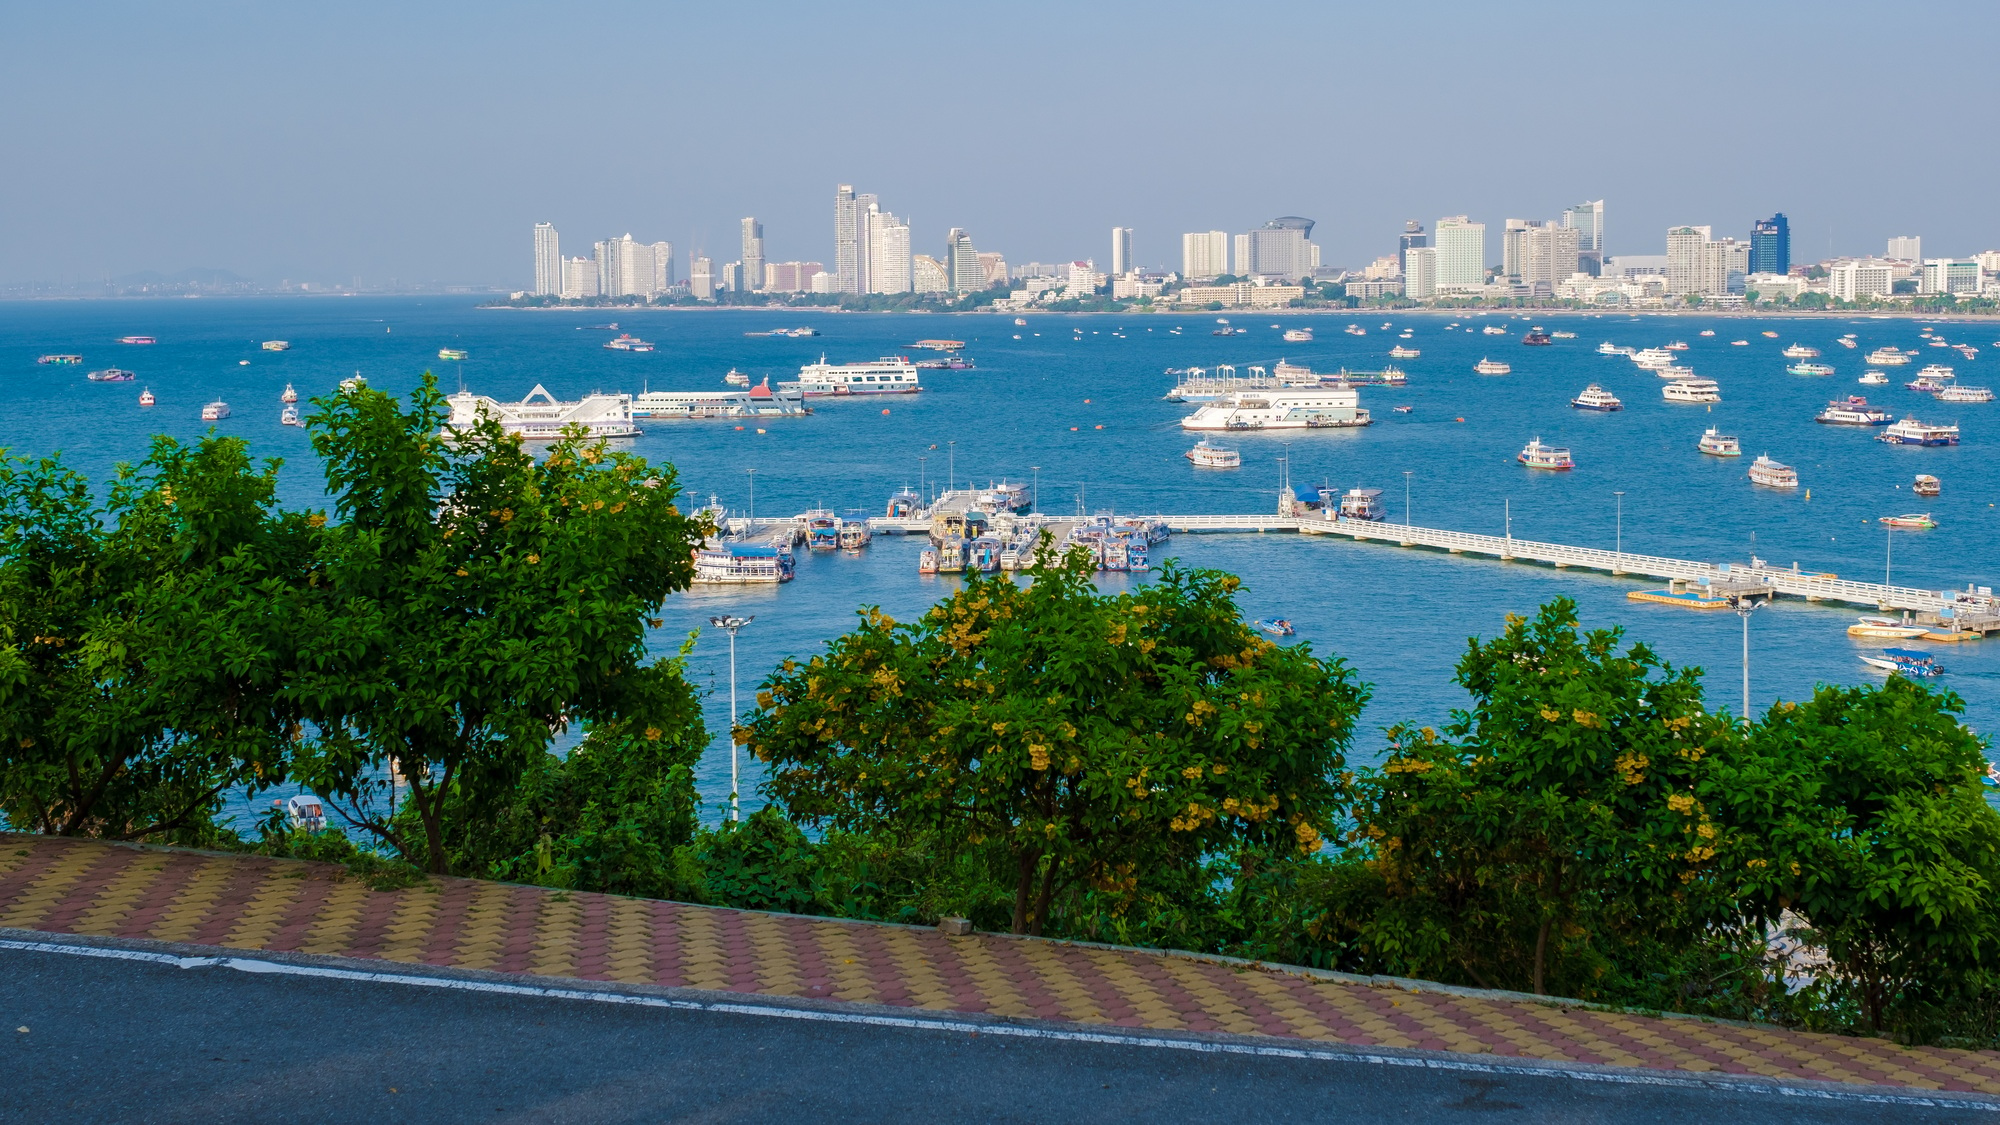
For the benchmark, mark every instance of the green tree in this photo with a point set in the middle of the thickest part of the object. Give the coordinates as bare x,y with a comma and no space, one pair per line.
1086,740
471,602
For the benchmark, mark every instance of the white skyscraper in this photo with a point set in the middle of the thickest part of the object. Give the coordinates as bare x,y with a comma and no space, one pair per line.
1539,253
663,267
1205,254
548,261
888,252
1420,272
961,262
628,268
1906,248
1461,253
928,275
753,254
1685,259
847,244
701,278
579,278
1121,251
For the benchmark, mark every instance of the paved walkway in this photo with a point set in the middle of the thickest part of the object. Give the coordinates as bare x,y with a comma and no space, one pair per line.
251,903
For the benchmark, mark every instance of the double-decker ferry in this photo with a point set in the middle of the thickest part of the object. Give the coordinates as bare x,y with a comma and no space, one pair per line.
1909,431
1595,397
1773,474
1887,357
1287,408
739,564
890,375
1715,443
1800,351
1535,455
1692,390
1853,411
1491,367
1205,455
1961,393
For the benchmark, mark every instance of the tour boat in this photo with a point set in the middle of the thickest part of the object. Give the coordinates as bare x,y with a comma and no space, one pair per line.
146,397
1674,372
740,564
1595,397
1927,485
1535,455
1493,330
1874,379
854,535
1772,474
1692,390
1361,504
1931,378
1609,348
277,345
1809,369
822,530
111,375
1957,393
1401,352
1887,628
1491,367
1905,662
1653,357
736,378
1853,411
1801,351
1914,521
1298,335
1285,408
626,342
215,411
451,353
890,375
1909,431
1715,443
290,395
1570,335
1887,357
1536,338
289,416
1676,346
1276,626
1207,456
136,340
65,358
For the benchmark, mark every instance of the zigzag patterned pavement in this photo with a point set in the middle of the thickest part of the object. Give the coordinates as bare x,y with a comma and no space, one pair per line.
60,886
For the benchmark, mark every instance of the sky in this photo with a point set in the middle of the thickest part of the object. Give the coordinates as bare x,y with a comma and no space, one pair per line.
419,143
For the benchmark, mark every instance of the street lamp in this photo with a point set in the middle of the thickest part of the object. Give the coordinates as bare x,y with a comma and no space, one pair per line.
1406,498
951,463
729,624
923,478
1888,553
1744,605
1621,533
753,498
1035,497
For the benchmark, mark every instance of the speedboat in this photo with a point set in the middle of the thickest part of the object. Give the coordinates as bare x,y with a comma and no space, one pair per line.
1535,455
1909,521
1853,411
1886,627
1595,397
1773,474
1905,662
1491,367
146,397
289,416
1276,626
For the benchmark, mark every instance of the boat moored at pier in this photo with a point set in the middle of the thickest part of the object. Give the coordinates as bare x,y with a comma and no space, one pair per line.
539,416
889,375
742,564
758,402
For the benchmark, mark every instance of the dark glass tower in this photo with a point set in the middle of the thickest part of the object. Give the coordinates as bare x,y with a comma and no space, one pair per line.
1771,245
1413,237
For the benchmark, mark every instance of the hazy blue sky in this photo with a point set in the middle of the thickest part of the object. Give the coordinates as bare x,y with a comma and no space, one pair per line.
421,141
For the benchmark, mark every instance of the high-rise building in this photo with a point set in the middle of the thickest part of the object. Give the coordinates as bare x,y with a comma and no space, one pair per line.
791,277
927,275
1281,248
1545,253
1684,259
1420,272
701,278
847,246
548,261
628,268
1906,248
1461,253
1412,237
663,267
753,254
1121,251
1205,254
994,267
1083,279
1513,233
961,263
1989,262
1859,279
1771,245
888,252
579,278
1950,275
1587,220
1725,263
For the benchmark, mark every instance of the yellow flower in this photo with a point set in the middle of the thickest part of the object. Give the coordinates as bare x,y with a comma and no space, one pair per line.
1192,773
652,734
533,559
463,573
1038,757
1680,803
1550,714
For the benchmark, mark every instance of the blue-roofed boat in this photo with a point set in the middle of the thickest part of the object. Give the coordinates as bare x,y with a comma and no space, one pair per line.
737,564
1907,662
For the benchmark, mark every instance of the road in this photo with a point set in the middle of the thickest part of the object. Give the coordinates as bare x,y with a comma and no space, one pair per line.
124,1041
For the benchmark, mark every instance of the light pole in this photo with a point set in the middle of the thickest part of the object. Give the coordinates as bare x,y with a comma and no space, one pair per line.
1406,498
1744,605
1621,533
1508,507
1035,497
729,624
1888,553
923,478
753,498
951,463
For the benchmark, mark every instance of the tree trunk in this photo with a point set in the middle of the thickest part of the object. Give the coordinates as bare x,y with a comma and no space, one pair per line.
1541,955
1041,915
1023,886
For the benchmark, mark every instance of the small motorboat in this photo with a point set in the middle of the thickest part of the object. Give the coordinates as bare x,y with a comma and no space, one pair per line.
289,416
1907,662
1887,627
290,395
146,397
1912,521
1276,626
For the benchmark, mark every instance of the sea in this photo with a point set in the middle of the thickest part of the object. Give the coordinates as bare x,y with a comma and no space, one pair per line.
1073,406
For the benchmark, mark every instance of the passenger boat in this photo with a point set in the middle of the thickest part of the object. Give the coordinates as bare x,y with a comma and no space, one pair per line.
1493,330
854,535
1959,393
736,378
1707,332
63,357
948,363
1674,372
1535,455
1676,346
1286,408
539,417
1800,351
904,505
1909,521
1739,343
1361,504
136,340
1491,367
1853,411
1927,485
451,353
1692,390
277,345
289,395
743,564
1653,357
1390,376
1298,335
1874,379
889,375
146,397
626,342
1772,474
1809,369
1887,628
289,416
1536,338
353,384
822,530
1004,496
1609,348
1932,379
1887,357
1595,397
1715,443
1401,352
1563,335
939,345
1909,431
1905,662
1208,456
1355,330
1846,342
215,411
1276,626
111,375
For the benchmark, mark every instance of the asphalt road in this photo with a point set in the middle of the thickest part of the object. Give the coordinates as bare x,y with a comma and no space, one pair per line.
125,1041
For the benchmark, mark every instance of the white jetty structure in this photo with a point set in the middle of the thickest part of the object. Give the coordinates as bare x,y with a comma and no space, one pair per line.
541,417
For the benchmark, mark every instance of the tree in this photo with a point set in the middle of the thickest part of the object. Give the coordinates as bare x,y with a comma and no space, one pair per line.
145,641
1085,739
472,601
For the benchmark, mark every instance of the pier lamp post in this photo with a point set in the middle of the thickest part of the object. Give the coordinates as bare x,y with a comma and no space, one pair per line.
923,478
1888,553
951,463
729,624
1406,498
1035,497
752,473
1744,605
1621,533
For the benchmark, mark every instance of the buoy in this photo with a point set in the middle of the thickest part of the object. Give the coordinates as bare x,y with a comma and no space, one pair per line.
1086,402
1100,427
760,429
739,427
1072,429
1458,419
885,411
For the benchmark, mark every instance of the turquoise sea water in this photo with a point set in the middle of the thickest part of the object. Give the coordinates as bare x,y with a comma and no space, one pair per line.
1032,409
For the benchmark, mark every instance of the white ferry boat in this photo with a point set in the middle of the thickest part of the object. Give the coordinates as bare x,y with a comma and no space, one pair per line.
739,564
1692,390
1283,409
1535,455
277,346
1491,367
1772,474
1298,335
1853,411
540,417
1887,357
1565,335
626,342
290,395
759,401
1361,504
1957,393
1909,431
1674,372
215,411
1715,443
1808,368
736,378
1595,397
1800,351
1874,379
1676,346
454,355
1206,455
1609,348
890,375
1401,352
1932,379
1653,357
